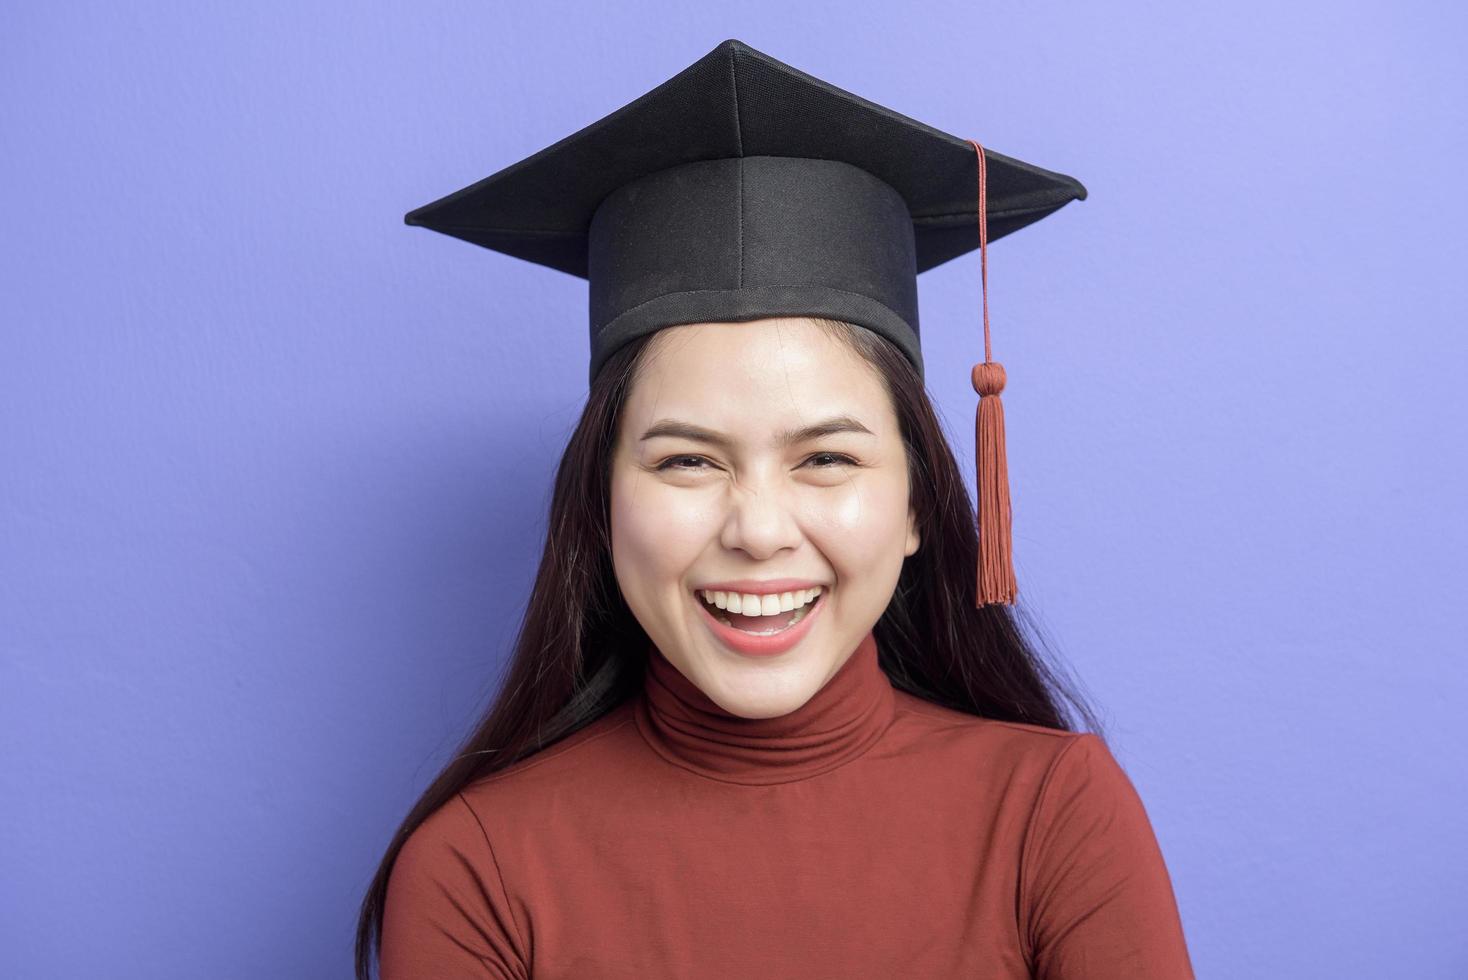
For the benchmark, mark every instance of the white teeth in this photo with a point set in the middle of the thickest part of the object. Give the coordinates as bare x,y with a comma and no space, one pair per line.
750,604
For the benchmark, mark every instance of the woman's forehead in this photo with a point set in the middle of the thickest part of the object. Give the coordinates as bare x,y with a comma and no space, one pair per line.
733,411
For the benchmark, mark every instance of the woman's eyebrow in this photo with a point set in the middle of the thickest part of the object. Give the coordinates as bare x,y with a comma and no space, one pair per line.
676,428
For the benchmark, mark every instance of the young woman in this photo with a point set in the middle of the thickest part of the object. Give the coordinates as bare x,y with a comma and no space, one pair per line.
755,723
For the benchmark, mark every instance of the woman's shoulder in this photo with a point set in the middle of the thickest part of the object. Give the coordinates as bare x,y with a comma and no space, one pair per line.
967,742
921,716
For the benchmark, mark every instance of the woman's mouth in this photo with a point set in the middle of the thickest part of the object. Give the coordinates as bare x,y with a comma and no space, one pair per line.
762,636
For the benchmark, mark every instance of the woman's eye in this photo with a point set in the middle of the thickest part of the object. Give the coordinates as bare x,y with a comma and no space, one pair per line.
845,460
668,464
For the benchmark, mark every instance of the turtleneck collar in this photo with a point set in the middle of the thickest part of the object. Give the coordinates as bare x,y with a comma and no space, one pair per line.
839,722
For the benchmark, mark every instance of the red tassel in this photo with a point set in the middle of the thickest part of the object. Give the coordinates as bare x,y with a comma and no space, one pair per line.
995,580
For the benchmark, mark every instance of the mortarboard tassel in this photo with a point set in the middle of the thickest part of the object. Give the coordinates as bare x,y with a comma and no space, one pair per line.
996,581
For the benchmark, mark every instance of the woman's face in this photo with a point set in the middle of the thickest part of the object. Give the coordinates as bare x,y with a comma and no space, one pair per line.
830,509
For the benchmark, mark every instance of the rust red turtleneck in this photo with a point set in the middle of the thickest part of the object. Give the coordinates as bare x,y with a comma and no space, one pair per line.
868,833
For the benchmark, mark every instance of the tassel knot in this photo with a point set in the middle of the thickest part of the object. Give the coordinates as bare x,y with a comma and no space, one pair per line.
988,378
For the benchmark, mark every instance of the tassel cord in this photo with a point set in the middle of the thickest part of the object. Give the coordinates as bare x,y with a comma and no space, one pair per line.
995,580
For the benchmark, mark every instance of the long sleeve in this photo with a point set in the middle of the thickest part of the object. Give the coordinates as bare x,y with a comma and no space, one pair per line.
1095,894
447,914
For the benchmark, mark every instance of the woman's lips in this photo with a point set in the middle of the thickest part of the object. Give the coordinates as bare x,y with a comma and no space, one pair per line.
755,644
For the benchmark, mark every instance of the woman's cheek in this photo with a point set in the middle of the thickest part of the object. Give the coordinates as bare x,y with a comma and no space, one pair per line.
661,526
865,517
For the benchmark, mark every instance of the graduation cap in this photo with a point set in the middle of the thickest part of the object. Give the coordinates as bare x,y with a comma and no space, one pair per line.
743,188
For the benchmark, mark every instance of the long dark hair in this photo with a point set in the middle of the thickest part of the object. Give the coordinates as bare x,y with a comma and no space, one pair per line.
579,652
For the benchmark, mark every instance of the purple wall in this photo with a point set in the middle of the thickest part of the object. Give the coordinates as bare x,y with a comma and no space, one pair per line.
274,466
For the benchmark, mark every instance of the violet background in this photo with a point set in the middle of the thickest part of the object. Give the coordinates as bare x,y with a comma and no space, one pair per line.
274,466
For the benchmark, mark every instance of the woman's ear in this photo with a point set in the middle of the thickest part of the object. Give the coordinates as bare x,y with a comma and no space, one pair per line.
913,538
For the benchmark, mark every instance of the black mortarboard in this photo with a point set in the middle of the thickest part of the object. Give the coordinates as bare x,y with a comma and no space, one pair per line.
742,188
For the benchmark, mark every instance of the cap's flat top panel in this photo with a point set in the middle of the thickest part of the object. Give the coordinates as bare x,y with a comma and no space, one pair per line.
737,101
